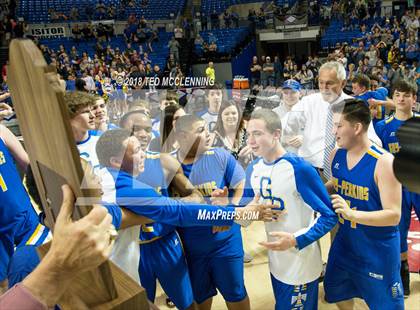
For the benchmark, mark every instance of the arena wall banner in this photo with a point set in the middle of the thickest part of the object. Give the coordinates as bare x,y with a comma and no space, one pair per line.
48,32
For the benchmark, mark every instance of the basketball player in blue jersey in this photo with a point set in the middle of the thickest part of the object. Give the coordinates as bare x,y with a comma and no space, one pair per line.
364,259
215,257
160,170
123,158
292,184
361,90
404,98
19,223
82,120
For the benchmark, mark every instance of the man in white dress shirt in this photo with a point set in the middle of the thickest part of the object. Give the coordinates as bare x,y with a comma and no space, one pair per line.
315,146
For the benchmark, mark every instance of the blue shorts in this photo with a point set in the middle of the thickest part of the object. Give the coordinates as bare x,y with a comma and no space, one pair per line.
384,294
225,274
293,297
164,260
22,263
28,232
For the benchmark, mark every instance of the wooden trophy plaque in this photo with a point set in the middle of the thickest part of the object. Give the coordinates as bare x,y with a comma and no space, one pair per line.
38,99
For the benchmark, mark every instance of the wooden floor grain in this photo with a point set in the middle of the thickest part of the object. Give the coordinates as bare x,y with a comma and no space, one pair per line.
257,278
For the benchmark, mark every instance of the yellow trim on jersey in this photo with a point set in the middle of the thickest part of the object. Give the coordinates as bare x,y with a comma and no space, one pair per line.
149,241
210,152
152,155
35,234
148,229
374,153
389,119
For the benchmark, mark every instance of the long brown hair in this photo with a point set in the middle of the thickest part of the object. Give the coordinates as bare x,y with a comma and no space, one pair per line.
166,139
220,129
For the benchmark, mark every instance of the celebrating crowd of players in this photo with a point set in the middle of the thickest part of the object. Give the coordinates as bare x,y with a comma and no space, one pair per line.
304,167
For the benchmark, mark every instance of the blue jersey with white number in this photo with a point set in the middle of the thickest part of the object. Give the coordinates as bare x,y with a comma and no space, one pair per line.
214,169
374,251
154,176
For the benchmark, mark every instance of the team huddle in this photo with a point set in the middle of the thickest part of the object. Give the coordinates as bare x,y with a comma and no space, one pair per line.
309,165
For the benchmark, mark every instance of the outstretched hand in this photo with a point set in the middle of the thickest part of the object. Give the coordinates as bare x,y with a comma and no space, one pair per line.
284,241
258,211
220,197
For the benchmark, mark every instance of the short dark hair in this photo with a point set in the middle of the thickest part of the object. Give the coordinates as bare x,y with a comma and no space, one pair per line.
184,123
271,119
354,111
405,86
110,144
362,80
125,117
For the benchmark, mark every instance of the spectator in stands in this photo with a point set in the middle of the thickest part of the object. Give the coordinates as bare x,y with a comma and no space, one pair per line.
198,40
87,31
294,72
56,16
77,32
186,25
174,48
212,49
287,71
395,73
255,72
412,50
112,12
153,38
100,10
278,71
140,36
373,55
143,22
235,19
74,14
178,32
203,20
227,19
393,55
210,72
306,77
214,20
89,10
267,74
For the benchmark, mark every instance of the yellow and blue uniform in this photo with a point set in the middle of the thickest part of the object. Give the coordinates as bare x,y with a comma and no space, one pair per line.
25,259
161,253
387,132
19,223
380,94
364,261
215,260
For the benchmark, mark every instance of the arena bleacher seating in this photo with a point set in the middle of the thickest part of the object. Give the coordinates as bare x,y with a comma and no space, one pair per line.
37,11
